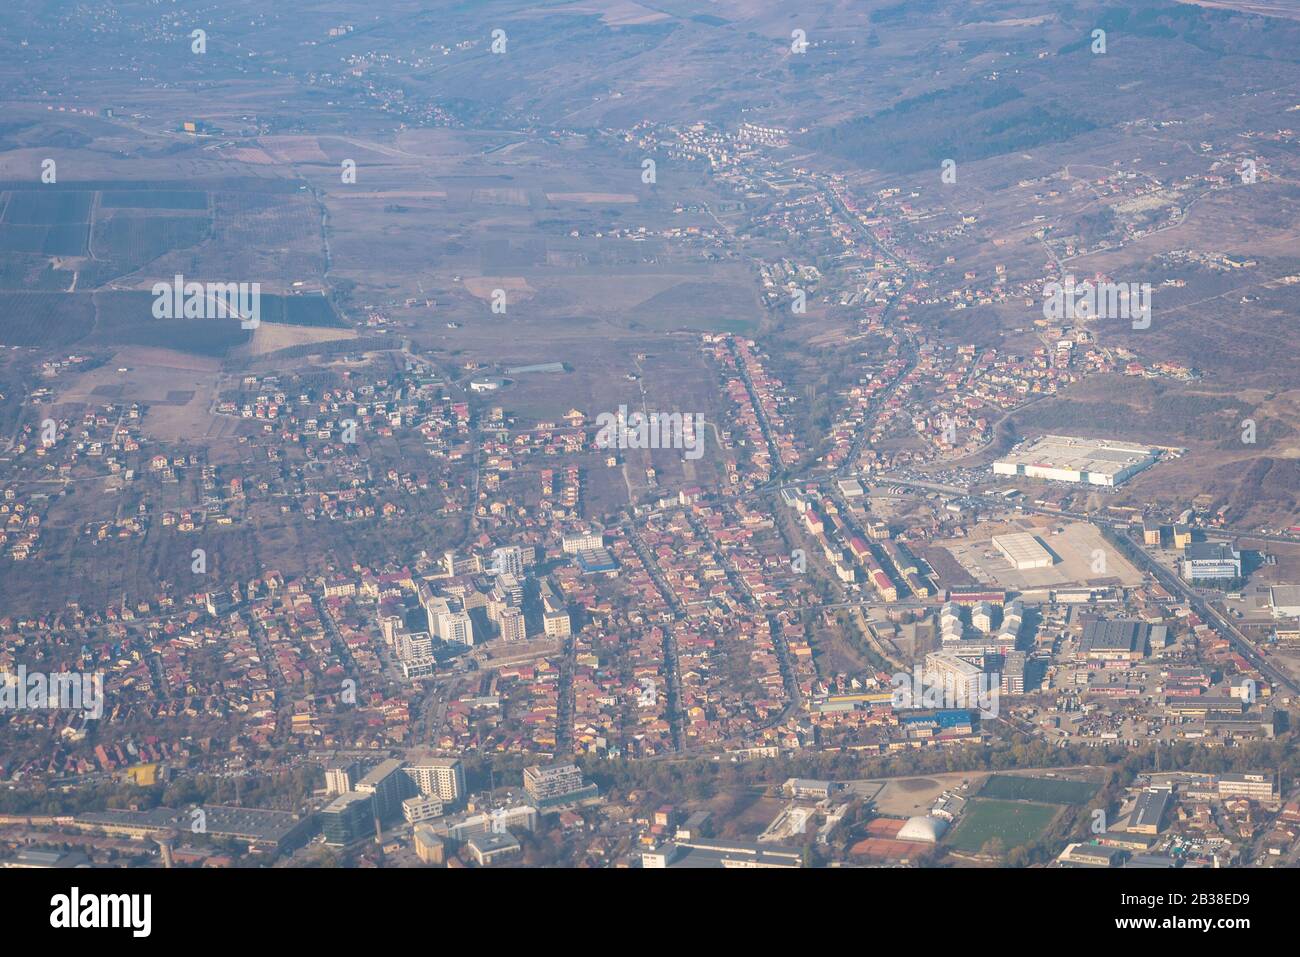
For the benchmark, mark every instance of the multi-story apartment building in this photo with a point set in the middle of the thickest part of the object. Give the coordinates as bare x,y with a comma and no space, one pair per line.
339,777
386,784
1013,673
453,564
443,778
557,784
448,624
511,622
958,678
421,808
557,624
582,542
507,561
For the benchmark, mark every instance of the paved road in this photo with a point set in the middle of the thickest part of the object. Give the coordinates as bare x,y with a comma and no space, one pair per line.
1171,582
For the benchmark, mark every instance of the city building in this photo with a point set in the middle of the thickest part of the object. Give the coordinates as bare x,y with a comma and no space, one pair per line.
492,847
414,645
1114,640
418,667
421,808
1090,855
1023,551
1284,600
429,847
950,623
1013,673
1211,561
454,627
1255,785
557,624
1158,637
258,828
596,561
808,788
387,785
496,820
707,853
443,778
511,623
1149,812
349,817
555,617
959,679
340,776
1012,621
507,561
557,784
582,542
453,564
1062,458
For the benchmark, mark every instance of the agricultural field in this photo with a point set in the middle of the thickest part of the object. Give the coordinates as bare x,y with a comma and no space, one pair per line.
270,236
154,199
44,319
51,223
31,273
125,243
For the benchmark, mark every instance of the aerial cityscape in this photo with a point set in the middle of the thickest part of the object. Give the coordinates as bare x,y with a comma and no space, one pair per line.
650,435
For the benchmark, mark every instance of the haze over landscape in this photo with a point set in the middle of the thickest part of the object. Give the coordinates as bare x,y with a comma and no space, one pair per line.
674,434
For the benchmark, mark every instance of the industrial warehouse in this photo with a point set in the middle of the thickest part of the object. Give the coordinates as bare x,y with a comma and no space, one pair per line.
1061,458
1023,551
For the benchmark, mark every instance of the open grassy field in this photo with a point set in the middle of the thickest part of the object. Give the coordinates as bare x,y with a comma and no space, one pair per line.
1048,790
1014,822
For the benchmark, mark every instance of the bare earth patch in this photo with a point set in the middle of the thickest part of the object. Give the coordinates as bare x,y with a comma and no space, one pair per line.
269,336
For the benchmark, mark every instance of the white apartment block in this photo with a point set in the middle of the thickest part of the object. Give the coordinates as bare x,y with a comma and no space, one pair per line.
443,778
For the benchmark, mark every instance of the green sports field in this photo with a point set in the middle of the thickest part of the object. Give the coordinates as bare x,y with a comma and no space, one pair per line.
1015,787
1015,822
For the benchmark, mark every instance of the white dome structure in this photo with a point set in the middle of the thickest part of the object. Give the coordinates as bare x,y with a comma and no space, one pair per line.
924,829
